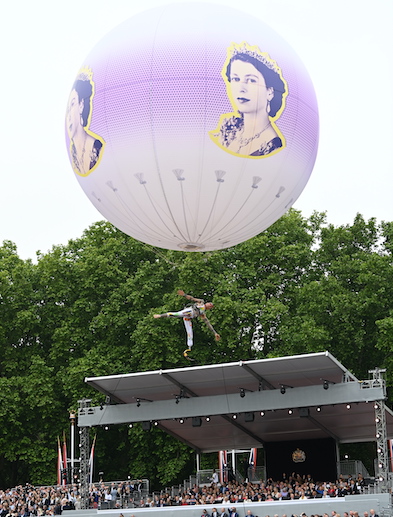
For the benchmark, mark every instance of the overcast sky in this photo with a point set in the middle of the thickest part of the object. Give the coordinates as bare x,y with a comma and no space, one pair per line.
346,46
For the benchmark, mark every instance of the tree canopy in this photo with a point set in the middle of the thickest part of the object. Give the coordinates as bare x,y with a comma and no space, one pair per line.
85,309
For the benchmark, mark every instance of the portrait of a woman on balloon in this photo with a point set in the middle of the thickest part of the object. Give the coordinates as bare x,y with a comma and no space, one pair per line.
85,146
257,92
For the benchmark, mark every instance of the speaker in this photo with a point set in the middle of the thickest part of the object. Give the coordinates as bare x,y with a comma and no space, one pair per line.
304,412
146,426
249,417
196,421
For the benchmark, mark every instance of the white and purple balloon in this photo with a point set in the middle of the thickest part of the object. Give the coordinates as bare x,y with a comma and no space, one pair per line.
158,93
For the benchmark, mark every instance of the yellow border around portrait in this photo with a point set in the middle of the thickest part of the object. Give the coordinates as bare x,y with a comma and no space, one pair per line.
250,49
86,74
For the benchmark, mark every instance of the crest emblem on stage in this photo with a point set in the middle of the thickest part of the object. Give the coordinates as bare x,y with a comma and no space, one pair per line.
298,456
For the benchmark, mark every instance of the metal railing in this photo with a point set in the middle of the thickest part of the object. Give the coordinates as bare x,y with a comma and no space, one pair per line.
352,468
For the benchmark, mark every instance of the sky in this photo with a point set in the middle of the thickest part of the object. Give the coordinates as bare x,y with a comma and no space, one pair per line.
346,46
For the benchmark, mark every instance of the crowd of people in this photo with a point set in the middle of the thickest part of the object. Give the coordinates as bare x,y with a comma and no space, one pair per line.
30,501
295,487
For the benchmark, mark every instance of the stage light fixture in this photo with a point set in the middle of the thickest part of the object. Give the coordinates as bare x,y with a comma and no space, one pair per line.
207,419
326,383
234,416
290,411
181,420
283,388
262,413
348,406
319,409
141,399
242,393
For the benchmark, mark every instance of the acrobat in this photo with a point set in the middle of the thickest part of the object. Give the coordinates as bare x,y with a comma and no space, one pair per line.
197,309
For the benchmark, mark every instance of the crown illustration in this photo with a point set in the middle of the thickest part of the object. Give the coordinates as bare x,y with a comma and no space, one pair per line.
253,51
85,74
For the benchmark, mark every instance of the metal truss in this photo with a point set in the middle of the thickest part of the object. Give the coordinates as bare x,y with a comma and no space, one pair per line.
84,448
382,473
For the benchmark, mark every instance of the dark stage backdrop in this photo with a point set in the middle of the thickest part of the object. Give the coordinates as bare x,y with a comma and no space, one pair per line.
317,458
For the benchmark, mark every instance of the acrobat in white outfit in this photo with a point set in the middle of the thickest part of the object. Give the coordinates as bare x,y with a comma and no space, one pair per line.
198,309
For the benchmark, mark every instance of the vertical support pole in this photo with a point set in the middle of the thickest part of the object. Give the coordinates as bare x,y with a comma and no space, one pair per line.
72,433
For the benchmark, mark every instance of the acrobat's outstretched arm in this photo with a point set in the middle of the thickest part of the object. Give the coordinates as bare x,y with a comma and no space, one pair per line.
205,319
180,292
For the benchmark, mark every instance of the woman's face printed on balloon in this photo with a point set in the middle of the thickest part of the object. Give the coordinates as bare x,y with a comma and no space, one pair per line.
74,110
248,88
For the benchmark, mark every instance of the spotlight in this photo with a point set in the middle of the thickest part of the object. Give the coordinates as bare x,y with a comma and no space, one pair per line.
207,419
262,413
319,409
130,426
283,388
234,416
290,411
326,383
348,406
139,399
243,392
181,420
106,427
155,423
177,399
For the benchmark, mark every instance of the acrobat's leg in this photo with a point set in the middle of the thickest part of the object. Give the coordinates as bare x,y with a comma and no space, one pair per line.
188,326
170,315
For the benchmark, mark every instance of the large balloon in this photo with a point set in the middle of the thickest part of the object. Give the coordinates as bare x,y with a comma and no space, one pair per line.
192,127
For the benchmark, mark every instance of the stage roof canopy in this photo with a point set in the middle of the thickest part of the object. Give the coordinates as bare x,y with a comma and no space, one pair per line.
245,404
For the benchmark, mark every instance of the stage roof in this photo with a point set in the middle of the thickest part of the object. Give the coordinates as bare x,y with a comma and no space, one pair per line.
247,403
